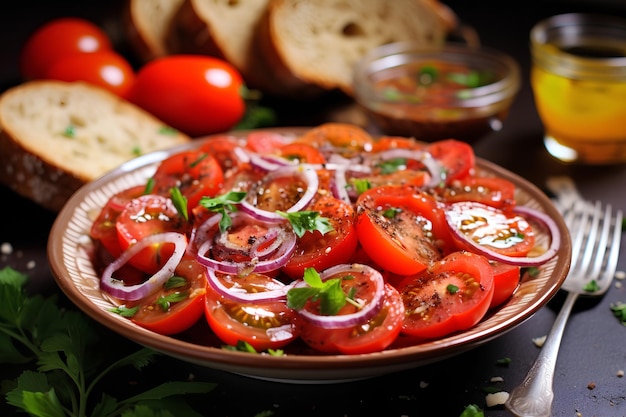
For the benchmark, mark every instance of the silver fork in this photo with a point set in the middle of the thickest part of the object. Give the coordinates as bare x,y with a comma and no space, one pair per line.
596,238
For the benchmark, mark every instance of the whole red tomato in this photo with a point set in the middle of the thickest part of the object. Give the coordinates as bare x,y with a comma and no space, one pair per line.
197,95
58,39
107,69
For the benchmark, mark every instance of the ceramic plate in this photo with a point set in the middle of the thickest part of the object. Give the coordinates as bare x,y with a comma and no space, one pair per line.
69,257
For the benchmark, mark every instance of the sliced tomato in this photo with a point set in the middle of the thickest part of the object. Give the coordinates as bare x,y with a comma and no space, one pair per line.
457,158
373,336
482,225
343,137
452,295
386,143
104,228
222,148
178,305
505,280
401,228
314,250
144,216
302,153
493,191
266,141
264,325
195,173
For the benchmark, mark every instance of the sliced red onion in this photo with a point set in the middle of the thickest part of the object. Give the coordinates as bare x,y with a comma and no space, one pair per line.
240,295
343,321
261,261
116,287
308,174
340,186
524,261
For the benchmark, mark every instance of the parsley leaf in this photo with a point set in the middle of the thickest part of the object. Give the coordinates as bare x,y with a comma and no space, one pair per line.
68,355
180,202
303,221
329,293
224,204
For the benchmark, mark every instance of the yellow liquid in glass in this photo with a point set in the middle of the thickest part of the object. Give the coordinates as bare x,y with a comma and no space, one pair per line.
585,115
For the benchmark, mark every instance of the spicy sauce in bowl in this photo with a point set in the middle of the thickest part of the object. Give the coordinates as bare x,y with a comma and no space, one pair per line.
456,91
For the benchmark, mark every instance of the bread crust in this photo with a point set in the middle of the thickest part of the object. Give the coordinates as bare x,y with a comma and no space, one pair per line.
41,161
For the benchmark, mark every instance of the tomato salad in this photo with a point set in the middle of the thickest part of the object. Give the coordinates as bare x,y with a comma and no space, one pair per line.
331,238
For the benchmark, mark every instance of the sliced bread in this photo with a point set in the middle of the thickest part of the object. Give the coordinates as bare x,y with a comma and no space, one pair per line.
57,136
318,42
147,26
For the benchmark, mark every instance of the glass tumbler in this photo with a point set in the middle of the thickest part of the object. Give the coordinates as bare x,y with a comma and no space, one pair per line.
578,77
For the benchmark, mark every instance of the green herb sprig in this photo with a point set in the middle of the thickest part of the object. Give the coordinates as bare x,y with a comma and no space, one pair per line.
224,204
69,360
303,221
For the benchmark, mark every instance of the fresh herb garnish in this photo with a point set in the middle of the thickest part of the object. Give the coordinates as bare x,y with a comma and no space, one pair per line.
149,186
307,221
243,346
167,130
472,410
70,131
180,202
165,301
427,75
224,204
361,185
503,362
124,311
619,311
329,293
591,286
452,289
390,166
136,151
69,360
391,213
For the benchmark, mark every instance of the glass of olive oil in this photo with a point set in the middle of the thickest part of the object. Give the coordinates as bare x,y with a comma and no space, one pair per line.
578,77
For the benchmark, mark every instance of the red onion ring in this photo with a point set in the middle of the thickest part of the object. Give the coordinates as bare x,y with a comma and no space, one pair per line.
354,319
263,263
116,287
524,261
240,295
308,174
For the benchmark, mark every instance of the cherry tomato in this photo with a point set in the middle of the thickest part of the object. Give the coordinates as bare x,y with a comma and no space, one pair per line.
106,69
505,280
451,295
197,95
500,231
222,148
301,153
195,173
58,39
266,325
493,191
401,228
178,305
319,251
373,336
346,137
144,216
456,157
103,228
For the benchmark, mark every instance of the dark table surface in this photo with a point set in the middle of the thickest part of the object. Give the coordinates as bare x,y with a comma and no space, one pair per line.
594,344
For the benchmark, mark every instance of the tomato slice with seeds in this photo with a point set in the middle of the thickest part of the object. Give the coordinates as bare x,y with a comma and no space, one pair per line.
452,295
375,335
493,191
264,325
457,158
144,216
401,228
500,231
178,305
314,250
302,153
196,174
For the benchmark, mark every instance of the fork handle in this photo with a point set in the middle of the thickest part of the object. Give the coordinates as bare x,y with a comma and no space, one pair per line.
533,397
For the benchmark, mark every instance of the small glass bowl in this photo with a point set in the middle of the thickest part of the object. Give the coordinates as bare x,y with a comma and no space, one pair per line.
401,92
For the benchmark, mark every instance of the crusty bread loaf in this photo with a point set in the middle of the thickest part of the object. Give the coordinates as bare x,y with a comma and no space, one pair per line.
147,26
318,42
57,136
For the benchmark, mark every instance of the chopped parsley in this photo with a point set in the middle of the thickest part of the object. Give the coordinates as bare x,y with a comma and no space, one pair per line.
307,221
329,293
180,202
224,204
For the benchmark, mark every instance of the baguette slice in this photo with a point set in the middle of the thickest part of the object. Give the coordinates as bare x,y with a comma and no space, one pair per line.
147,24
57,136
227,29
318,42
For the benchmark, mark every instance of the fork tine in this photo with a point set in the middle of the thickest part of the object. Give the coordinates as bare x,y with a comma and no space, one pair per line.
576,219
592,238
616,238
